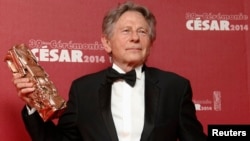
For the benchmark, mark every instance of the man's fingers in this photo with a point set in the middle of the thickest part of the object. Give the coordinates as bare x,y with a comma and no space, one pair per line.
26,91
21,85
17,75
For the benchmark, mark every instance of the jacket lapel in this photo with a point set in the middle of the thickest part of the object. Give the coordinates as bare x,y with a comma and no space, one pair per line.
105,106
151,101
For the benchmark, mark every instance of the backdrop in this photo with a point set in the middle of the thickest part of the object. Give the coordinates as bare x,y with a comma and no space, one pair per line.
207,41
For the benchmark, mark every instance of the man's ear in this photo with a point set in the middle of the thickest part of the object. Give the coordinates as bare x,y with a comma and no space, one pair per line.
106,44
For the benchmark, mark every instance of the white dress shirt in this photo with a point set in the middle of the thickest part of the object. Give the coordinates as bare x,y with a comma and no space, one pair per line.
127,106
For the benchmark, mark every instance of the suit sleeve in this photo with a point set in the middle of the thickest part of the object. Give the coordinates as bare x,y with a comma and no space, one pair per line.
66,130
37,128
190,127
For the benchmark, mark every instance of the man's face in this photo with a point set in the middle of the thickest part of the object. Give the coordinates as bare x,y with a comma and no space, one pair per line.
130,42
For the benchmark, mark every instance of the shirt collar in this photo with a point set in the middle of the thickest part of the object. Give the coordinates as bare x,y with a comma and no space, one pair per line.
138,70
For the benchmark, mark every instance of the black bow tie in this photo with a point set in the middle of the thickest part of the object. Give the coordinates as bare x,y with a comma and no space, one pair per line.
129,77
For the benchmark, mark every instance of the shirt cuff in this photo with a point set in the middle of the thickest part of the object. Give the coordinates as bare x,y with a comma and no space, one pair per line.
30,110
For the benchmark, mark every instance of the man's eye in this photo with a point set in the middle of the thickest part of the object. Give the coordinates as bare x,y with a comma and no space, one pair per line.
125,30
142,32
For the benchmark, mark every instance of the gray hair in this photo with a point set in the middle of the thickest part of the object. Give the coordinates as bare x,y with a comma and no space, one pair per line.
113,15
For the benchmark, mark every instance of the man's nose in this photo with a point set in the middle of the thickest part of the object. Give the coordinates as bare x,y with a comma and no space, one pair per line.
135,36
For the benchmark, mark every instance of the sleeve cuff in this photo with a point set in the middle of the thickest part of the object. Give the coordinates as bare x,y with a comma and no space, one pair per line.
30,110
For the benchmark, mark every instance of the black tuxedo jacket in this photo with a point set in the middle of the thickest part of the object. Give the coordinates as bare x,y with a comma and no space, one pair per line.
169,111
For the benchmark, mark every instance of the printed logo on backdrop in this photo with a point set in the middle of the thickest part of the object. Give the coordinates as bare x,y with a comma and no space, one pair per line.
216,22
73,52
213,104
